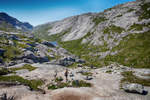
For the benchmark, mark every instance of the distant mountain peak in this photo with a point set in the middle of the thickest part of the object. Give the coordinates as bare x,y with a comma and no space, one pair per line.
9,23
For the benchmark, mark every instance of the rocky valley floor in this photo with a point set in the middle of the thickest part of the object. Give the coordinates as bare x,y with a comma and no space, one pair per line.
105,84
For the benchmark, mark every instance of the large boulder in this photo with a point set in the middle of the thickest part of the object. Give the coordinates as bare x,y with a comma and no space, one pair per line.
30,55
133,88
66,61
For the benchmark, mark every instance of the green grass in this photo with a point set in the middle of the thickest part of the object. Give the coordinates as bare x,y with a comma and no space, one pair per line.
58,79
4,71
87,74
33,84
112,29
108,71
136,27
130,10
134,51
119,15
11,52
81,84
129,77
26,66
145,12
98,20
60,84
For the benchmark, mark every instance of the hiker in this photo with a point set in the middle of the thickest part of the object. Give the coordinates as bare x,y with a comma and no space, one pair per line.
92,66
55,75
66,75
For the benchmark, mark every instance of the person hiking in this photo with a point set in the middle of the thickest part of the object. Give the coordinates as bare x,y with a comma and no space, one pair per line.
55,75
66,75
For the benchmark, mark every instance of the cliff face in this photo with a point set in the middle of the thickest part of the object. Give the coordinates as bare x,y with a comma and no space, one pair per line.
107,36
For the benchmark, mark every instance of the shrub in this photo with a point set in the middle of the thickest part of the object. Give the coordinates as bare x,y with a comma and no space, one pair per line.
81,83
26,66
33,84
128,76
4,71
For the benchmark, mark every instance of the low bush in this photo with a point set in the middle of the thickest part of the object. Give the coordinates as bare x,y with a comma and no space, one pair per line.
33,84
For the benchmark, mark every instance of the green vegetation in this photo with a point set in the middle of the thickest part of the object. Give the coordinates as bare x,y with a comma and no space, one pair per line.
98,20
10,53
145,11
4,71
42,32
131,78
33,84
84,50
26,66
60,84
87,73
113,29
7,27
119,15
130,10
81,83
108,71
134,51
58,36
136,27
74,65
58,79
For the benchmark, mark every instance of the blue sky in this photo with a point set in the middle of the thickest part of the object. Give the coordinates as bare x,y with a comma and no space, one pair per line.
42,11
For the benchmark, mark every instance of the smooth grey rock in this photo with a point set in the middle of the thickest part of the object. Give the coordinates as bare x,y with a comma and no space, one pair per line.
133,88
18,72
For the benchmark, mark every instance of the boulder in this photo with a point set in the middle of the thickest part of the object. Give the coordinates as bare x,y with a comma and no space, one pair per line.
49,44
13,37
133,88
79,65
28,61
66,61
80,61
88,78
29,55
43,59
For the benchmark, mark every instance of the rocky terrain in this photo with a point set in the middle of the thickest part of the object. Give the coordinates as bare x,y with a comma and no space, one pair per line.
93,56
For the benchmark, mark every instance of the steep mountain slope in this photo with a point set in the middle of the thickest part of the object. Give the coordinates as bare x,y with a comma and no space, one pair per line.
119,34
8,23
